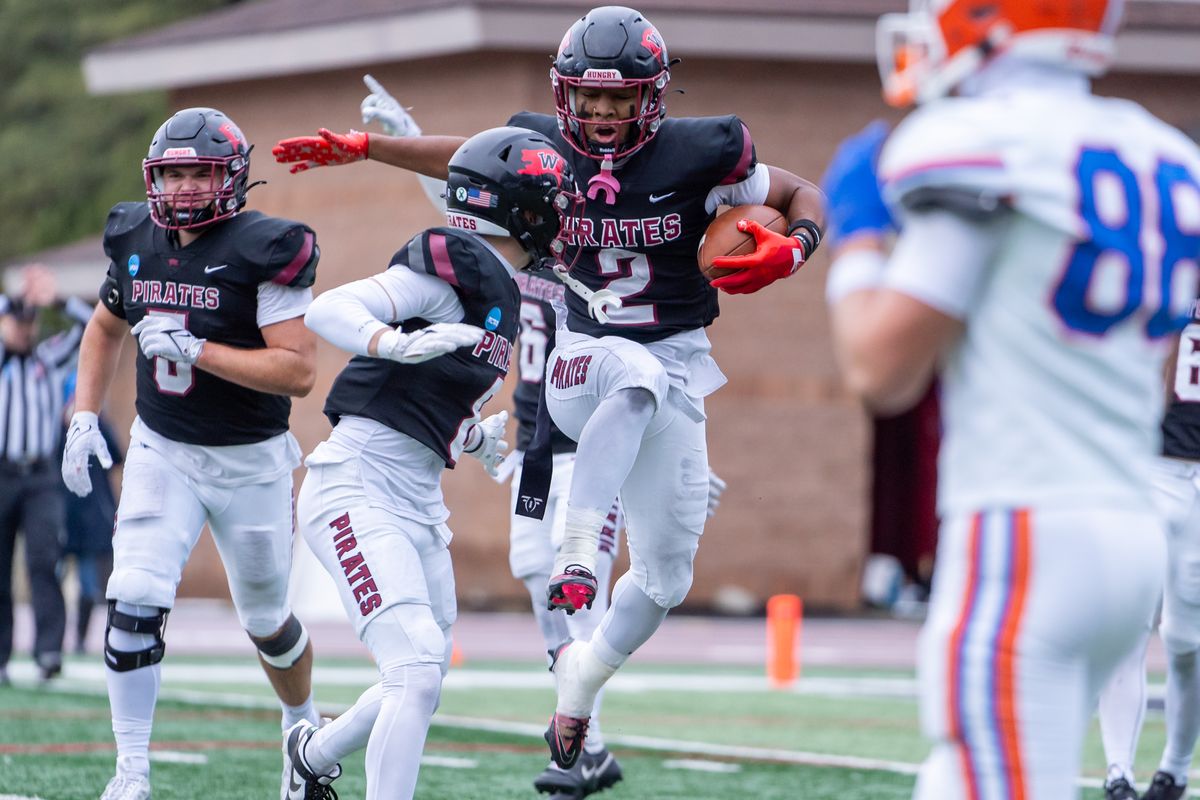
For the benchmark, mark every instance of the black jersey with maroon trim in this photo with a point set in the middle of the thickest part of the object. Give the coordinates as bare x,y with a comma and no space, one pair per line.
540,290
644,246
1181,423
432,401
211,285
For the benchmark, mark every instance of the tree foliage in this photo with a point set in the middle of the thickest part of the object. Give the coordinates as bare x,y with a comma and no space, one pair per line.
65,156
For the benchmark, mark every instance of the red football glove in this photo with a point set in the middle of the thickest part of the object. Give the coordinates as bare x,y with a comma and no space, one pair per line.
776,257
326,149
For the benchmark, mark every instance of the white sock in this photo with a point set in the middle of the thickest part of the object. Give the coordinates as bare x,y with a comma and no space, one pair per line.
581,538
410,694
1183,714
580,673
306,711
595,737
1122,710
346,734
582,626
132,695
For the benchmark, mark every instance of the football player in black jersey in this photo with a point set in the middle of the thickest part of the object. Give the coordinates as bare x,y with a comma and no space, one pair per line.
432,339
216,297
1123,701
627,379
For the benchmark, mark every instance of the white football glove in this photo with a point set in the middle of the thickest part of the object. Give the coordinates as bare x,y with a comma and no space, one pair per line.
83,441
715,487
426,343
484,442
379,106
162,335
507,466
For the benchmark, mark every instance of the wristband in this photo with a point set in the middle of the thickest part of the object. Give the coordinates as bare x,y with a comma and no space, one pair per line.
852,272
809,235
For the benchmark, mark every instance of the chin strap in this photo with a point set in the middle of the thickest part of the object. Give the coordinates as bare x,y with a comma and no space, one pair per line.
599,302
604,181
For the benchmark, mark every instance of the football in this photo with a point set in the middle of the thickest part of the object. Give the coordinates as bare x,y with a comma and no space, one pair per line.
724,239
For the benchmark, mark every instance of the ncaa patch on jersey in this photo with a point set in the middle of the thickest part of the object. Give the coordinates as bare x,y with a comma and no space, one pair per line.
135,263
492,320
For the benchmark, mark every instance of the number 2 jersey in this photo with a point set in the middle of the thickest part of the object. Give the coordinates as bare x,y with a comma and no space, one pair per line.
1054,392
213,286
644,246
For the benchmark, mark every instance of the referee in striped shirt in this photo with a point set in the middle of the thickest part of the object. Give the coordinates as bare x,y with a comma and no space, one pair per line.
31,409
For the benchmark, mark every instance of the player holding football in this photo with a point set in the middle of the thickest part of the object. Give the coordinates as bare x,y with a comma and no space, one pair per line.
1046,257
216,298
628,382
534,542
405,408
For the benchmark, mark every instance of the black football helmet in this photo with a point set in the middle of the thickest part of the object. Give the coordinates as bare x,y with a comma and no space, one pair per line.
611,47
197,136
514,182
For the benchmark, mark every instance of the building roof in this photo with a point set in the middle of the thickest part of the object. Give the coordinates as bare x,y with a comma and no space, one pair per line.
271,38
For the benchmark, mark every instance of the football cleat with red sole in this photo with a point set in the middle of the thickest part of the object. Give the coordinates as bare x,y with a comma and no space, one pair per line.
572,590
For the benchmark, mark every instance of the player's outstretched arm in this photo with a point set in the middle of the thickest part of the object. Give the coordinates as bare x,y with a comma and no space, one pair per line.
287,365
426,155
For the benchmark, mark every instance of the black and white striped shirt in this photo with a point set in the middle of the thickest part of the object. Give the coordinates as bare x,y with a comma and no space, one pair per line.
31,391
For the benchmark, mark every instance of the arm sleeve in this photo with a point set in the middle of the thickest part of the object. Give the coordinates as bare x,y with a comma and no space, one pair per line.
277,303
350,315
942,259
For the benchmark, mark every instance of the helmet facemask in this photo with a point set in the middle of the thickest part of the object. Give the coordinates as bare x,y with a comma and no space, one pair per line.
649,110
224,195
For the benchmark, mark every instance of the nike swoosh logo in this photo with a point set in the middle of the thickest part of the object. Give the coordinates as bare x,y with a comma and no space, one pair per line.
655,198
294,787
207,270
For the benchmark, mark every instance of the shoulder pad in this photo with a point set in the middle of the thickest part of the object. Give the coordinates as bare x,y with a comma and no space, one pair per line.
123,218
952,154
540,123
720,148
283,252
447,253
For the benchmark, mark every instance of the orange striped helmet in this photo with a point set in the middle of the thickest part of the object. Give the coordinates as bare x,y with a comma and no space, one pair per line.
930,50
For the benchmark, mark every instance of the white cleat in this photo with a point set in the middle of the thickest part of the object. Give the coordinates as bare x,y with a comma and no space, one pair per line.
127,786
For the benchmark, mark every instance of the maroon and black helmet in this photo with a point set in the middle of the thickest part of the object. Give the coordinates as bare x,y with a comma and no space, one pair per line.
190,137
611,47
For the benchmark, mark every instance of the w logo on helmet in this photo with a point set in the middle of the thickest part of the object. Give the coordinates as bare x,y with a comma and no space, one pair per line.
542,162
654,43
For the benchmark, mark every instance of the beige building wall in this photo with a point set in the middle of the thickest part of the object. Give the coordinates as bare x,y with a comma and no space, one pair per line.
792,446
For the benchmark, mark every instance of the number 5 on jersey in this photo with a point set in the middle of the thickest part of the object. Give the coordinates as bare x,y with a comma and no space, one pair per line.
173,377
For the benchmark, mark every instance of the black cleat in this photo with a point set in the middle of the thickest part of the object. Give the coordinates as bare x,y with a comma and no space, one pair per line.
1163,787
593,772
572,590
300,782
1119,790
565,737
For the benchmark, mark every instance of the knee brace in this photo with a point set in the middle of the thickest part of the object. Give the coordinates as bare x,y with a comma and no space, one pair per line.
122,661
283,649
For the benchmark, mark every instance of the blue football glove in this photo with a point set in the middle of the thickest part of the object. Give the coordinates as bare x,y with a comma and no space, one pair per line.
851,184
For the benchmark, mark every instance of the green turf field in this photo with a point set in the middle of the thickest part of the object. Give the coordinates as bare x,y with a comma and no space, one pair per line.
221,740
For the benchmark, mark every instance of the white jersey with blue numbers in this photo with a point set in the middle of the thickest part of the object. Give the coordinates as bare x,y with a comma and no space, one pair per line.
1054,392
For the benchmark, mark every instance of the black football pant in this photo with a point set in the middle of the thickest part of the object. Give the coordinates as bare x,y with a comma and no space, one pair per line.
31,502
